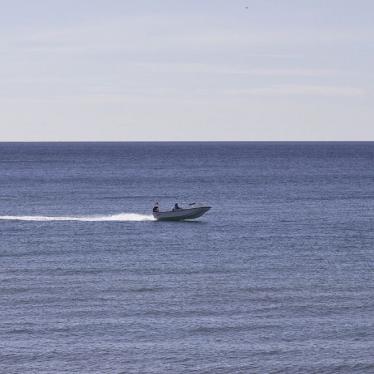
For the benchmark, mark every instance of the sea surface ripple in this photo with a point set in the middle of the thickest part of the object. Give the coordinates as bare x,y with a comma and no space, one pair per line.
276,278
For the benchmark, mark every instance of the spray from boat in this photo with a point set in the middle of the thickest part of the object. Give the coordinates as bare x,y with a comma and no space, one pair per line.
121,217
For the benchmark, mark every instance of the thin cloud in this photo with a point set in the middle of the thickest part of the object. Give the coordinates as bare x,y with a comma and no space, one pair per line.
160,32
300,90
195,68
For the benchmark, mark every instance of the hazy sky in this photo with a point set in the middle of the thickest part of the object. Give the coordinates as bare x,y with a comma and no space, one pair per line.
187,70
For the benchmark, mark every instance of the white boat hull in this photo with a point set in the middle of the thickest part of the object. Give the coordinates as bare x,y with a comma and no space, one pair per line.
181,214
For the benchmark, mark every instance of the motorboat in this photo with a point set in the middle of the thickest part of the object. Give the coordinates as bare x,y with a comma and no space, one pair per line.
192,211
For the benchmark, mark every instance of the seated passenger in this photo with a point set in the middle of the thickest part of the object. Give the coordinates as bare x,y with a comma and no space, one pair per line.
156,208
176,207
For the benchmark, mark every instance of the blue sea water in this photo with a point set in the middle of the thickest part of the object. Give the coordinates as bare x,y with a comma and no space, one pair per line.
277,278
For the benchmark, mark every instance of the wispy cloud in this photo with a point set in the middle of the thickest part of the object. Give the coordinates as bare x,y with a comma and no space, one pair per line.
300,90
161,32
214,68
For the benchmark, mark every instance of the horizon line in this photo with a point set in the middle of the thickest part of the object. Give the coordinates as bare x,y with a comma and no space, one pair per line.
186,141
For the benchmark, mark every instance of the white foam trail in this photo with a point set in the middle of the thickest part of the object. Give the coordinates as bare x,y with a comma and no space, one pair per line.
122,217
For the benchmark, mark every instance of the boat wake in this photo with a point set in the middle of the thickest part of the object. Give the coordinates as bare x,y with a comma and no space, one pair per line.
122,217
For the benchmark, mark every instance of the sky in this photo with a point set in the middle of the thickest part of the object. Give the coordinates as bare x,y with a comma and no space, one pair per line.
118,70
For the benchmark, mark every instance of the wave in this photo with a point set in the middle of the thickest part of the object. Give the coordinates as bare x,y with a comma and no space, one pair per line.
122,217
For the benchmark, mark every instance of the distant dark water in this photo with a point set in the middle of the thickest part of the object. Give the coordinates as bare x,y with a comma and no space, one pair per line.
277,278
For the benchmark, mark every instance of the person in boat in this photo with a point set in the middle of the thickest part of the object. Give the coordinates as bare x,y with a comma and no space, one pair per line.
156,208
176,207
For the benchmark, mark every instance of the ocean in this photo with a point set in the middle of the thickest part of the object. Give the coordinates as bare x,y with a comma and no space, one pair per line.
278,277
